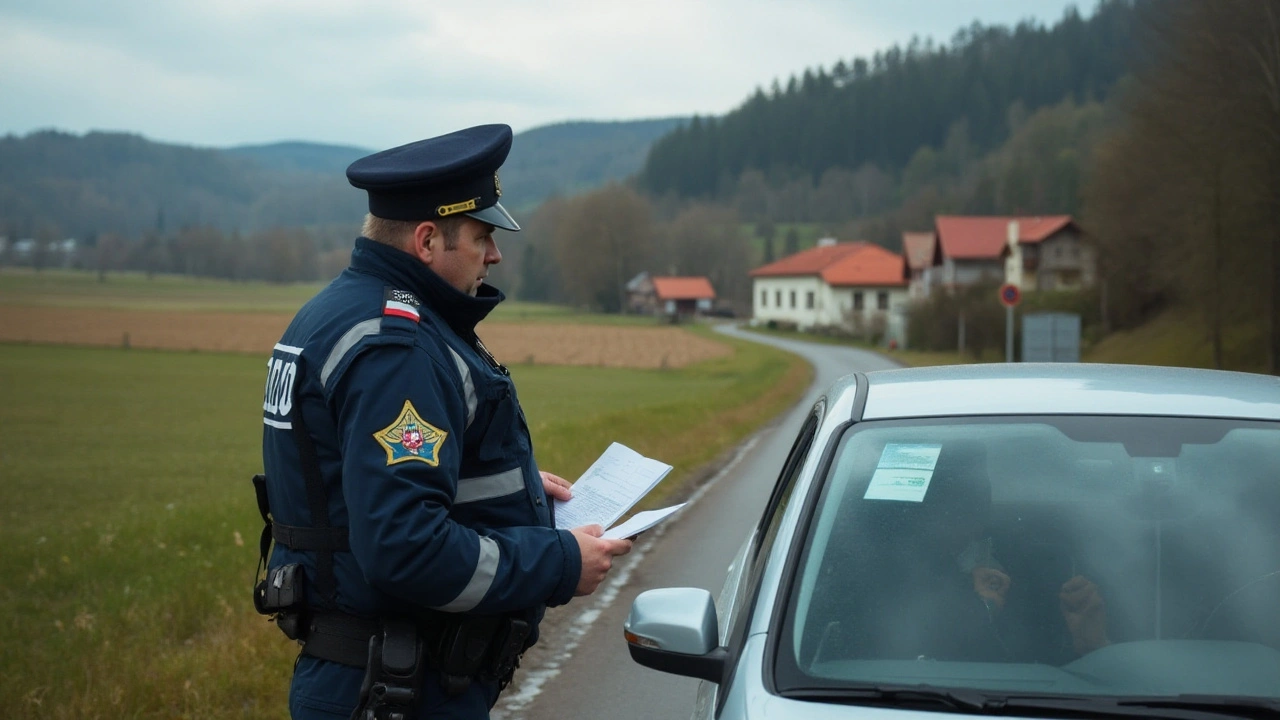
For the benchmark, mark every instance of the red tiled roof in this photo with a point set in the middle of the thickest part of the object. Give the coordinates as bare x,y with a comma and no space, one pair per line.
984,237
683,288
919,247
852,263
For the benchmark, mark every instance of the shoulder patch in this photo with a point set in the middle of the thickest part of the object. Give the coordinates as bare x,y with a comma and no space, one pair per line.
411,438
400,303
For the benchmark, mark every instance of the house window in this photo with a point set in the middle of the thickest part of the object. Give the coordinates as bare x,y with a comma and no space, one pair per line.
793,299
808,300
764,298
857,300
777,298
882,301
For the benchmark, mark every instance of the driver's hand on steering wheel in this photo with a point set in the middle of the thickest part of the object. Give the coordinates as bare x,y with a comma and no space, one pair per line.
1085,614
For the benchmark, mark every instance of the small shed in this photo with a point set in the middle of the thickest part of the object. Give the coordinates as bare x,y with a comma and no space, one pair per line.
682,297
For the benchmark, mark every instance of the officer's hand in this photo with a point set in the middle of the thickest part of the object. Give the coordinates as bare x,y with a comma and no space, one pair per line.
991,584
597,556
1085,614
556,487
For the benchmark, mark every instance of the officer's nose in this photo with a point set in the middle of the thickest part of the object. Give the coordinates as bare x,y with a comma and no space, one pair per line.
493,255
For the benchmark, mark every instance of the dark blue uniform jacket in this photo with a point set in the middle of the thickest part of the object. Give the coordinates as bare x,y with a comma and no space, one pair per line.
427,459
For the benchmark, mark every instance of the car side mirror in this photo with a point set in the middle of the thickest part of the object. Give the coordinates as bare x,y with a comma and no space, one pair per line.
675,630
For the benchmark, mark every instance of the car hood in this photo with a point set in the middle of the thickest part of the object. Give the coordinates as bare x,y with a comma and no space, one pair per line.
749,700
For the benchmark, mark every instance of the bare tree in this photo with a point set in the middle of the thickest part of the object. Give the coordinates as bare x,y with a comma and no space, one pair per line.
605,237
1184,200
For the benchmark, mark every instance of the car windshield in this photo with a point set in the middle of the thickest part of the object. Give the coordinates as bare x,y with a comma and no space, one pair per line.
1116,556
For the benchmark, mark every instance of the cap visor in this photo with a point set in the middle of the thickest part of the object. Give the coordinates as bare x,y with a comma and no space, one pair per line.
497,216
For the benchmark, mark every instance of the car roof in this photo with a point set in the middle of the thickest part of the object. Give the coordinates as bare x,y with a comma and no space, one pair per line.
1068,388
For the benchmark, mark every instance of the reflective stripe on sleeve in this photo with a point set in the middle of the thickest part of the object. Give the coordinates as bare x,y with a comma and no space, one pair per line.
481,579
468,387
489,486
348,340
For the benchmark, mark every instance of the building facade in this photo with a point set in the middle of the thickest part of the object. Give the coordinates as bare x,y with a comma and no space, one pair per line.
858,288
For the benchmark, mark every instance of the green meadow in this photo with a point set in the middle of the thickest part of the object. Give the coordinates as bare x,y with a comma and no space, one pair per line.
128,545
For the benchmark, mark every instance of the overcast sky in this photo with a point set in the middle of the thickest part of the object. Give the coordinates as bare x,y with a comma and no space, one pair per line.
378,73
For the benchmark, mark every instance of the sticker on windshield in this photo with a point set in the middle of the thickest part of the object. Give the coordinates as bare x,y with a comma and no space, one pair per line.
903,473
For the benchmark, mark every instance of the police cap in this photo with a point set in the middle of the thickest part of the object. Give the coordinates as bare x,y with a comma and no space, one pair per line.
454,174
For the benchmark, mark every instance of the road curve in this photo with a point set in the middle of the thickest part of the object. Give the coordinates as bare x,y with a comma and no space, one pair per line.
580,668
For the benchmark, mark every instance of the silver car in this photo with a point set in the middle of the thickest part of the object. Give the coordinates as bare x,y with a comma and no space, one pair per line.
1022,540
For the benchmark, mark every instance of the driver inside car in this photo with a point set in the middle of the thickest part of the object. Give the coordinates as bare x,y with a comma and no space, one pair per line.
936,589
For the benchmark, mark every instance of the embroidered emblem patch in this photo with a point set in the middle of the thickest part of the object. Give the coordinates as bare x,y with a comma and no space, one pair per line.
400,303
411,438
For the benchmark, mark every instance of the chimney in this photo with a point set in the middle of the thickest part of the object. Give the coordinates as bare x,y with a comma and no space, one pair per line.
826,242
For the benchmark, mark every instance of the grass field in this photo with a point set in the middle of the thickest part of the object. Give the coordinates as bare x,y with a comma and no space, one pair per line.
130,532
1180,338
21,287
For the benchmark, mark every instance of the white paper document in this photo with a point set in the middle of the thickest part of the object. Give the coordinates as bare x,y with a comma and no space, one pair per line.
614,483
640,522
904,472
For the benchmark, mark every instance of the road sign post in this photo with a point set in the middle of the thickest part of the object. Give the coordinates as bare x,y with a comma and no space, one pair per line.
1010,296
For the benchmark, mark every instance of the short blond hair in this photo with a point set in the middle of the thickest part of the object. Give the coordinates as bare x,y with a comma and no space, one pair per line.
397,233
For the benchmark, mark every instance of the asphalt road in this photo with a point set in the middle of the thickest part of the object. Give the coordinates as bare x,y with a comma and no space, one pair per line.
580,668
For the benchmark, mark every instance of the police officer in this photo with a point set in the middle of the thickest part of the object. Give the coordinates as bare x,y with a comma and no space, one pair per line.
415,544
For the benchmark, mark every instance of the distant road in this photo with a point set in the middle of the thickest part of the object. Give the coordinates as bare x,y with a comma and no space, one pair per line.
581,668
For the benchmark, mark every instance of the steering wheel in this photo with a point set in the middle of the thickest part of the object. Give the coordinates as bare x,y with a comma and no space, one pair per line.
1261,582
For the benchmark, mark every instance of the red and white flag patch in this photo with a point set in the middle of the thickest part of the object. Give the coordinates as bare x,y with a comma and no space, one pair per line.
401,304
399,309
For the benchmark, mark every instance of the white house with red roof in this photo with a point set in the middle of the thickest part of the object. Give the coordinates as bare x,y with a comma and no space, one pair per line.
854,285
1032,252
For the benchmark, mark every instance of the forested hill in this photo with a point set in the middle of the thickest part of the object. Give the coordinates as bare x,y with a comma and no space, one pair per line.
55,184
571,157
879,112
295,156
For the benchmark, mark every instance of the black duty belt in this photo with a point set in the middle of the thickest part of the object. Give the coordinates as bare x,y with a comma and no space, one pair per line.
340,638
463,645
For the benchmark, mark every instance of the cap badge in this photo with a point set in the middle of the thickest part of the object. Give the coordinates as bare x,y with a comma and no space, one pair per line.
497,184
456,208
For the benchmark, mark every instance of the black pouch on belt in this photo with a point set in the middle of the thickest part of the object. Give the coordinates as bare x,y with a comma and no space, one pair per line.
282,594
393,679
463,648
508,646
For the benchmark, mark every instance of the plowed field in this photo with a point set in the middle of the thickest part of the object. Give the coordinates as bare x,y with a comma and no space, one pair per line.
538,343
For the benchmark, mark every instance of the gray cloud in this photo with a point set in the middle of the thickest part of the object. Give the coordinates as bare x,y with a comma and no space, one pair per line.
382,72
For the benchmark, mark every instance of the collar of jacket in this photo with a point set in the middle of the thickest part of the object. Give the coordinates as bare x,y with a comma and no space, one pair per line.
460,311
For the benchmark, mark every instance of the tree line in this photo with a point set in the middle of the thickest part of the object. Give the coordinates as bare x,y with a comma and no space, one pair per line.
1183,197
875,114
582,250
281,255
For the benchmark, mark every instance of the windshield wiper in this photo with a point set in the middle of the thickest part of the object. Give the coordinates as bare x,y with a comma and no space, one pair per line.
888,695
1236,706
1182,707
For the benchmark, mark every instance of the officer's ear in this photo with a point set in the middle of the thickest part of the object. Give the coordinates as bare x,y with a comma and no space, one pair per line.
427,240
